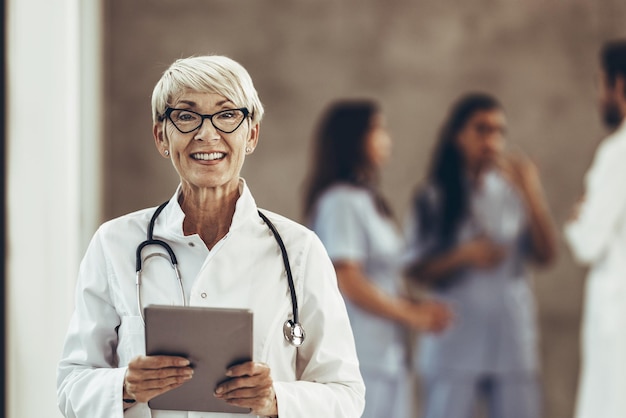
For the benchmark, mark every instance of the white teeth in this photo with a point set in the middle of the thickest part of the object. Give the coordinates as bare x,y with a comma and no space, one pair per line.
208,156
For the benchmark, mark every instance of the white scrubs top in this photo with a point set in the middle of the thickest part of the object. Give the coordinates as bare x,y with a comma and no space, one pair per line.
346,220
244,270
598,239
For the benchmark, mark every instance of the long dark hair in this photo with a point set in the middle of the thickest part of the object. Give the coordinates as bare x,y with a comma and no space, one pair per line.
448,167
339,152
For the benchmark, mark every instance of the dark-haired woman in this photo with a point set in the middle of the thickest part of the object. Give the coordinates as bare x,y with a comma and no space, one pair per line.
354,222
478,219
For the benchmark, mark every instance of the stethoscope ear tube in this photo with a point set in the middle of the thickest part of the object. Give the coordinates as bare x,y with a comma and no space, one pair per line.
172,259
160,243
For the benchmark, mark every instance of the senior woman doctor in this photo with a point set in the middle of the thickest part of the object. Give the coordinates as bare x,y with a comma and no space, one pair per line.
206,120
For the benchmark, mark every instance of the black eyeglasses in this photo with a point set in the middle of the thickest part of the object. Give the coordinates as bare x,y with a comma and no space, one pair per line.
186,120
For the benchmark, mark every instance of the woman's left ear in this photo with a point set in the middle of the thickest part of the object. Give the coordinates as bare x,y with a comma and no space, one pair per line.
253,140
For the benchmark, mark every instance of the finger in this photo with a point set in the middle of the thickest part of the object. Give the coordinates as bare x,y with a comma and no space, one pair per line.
502,161
501,252
246,375
516,153
442,317
137,389
156,374
436,326
146,395
441,321
256,391
249,368
259,407
156,381
439,326
158,362
133,385
263,403
245,382
512,166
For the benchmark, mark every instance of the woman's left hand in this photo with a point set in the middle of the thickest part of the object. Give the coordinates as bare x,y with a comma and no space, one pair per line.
250,386
522,172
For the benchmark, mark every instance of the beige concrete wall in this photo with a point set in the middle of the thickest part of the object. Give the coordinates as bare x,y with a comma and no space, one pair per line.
539,58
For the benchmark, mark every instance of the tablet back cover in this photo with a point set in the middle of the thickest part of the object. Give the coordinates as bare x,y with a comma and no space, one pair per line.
213,339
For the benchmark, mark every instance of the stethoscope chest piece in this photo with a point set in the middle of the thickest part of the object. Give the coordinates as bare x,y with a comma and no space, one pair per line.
294,333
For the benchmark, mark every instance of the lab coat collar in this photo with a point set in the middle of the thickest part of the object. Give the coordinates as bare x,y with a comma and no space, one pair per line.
245,208
173,215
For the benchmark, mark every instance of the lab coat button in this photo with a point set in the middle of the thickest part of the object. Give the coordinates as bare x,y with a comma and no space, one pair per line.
203,295
191,244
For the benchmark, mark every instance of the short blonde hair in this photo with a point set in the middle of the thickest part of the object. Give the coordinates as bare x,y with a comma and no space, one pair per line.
207,74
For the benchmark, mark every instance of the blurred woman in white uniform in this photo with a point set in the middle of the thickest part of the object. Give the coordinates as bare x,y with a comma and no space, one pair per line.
206,116
349,214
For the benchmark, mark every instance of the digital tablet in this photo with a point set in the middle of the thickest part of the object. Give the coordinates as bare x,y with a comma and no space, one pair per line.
213,339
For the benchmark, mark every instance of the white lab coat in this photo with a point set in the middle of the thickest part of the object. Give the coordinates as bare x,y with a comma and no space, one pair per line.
598,239
244,270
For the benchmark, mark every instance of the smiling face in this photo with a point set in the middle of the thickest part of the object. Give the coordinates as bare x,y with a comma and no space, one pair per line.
206,158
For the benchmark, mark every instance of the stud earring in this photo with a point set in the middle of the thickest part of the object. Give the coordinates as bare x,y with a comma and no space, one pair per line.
248,150
167,153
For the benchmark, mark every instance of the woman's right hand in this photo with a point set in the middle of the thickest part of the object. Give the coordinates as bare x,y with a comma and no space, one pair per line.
150,376
482,252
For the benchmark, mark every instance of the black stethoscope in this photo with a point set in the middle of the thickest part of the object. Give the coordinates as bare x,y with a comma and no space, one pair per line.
292,330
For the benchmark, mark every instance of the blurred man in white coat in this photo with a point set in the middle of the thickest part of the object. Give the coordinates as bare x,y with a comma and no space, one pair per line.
596,233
